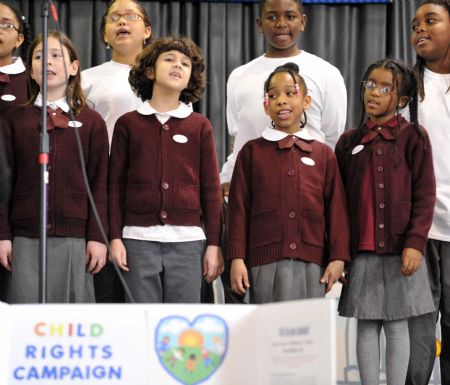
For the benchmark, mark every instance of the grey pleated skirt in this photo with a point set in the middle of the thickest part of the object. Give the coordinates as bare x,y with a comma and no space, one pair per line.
285,280
376,290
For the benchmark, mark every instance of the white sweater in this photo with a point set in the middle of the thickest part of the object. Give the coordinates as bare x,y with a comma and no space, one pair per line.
108,92
434,115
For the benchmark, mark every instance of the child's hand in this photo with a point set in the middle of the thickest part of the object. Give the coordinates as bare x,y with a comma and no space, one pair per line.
118,253
212,263
332,273
95,256
239,276
6,254
411,259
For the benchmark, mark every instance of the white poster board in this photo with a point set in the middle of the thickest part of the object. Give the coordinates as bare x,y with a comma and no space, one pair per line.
286,343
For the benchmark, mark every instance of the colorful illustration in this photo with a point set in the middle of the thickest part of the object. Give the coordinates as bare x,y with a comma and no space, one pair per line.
191,351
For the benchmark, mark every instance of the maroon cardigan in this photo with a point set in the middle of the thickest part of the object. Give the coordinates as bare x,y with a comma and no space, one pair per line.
282,207
69,212
405,189
156,180
17,87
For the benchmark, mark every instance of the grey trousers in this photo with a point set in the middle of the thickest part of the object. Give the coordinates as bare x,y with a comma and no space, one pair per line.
169,272
422,329
67,278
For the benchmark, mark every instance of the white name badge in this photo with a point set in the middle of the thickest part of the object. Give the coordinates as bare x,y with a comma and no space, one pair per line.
357,149
8,98
180,138
74,123
308,161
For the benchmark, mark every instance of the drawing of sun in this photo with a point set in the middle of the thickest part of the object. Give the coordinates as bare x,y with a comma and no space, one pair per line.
191,338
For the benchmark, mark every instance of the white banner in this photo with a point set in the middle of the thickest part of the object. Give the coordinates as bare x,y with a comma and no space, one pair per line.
286,343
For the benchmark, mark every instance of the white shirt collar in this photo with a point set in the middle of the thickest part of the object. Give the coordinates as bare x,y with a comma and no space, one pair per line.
183,110
61,103
273,135
15,68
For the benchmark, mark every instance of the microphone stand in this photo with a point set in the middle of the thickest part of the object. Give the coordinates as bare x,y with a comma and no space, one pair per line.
44,149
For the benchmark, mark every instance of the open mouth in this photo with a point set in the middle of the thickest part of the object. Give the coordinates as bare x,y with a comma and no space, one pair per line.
372,103
175,75
50,72
421,40
284,114
123,32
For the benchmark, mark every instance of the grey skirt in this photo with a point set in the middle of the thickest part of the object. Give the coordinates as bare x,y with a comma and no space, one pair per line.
376,290
285,280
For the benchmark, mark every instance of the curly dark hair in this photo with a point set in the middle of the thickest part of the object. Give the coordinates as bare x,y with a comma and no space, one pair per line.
24,29
143,86
145,16
77,100
420,65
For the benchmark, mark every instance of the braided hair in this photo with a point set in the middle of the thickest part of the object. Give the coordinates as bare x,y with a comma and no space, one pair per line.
24,29
405,84
419,67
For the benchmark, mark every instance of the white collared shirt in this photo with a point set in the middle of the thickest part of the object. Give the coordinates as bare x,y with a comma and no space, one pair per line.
273,135
16,67
54,105
165,233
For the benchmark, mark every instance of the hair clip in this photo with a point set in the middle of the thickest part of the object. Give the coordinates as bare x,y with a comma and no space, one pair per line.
266,99
297,89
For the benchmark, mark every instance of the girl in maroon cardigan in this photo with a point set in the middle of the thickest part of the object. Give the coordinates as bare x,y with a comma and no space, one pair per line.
287,211
164,180
387,168
15,34
75,246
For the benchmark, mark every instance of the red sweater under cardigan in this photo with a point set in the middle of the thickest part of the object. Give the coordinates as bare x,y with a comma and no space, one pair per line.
287,203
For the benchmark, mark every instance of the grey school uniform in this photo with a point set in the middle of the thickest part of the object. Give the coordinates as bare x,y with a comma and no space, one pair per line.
376,289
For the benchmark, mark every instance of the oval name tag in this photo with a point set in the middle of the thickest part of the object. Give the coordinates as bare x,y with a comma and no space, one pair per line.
8,98
357,149
74,123
180,138
308,161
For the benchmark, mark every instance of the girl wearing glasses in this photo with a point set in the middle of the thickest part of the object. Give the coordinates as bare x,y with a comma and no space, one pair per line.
125,29
387,168
15,33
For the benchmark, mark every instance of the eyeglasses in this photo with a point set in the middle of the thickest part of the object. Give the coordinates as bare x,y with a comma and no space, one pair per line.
115,17
8,27
371,86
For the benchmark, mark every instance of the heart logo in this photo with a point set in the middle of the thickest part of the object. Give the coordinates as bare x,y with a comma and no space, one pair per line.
191,352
